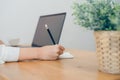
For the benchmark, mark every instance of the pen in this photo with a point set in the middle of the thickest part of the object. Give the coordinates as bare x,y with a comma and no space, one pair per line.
46,26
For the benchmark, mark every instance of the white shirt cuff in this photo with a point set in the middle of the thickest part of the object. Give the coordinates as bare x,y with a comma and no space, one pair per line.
12,53
8,54
2,54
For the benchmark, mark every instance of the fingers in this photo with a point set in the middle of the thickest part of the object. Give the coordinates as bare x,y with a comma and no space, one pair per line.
50,52
60,49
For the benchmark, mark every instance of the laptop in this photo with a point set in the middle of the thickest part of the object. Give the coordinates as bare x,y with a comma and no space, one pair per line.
55,23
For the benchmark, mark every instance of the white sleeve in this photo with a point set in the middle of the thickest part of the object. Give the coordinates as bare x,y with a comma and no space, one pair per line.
1,54
8,54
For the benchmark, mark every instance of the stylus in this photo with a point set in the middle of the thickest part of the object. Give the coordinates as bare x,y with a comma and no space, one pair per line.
49,32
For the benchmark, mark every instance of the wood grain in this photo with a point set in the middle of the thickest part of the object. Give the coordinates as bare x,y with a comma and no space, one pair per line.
82,67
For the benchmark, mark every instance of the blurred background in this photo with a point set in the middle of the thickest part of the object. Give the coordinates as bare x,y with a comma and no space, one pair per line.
19,18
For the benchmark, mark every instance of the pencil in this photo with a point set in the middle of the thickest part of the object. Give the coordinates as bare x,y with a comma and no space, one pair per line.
50,34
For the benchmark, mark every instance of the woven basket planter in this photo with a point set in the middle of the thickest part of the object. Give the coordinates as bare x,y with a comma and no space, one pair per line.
108,51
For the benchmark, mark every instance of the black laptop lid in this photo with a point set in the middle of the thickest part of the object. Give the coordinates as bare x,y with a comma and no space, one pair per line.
55,23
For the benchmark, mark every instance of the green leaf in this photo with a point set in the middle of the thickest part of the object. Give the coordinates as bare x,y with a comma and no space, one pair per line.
97,14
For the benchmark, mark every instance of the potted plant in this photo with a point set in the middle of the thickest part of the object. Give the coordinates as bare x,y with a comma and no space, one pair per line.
102,16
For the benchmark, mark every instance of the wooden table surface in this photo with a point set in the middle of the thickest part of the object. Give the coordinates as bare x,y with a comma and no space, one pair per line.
82,67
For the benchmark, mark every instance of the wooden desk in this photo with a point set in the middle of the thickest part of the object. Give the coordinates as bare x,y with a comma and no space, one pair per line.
82,67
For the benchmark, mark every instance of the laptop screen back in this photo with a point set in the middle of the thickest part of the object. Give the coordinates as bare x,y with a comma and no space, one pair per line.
55,23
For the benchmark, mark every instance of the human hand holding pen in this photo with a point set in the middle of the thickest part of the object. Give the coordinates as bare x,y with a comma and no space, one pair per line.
50,52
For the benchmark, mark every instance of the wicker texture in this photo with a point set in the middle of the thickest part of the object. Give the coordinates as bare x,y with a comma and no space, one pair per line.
108,51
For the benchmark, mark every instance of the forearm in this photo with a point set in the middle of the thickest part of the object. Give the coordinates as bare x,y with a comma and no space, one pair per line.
28,53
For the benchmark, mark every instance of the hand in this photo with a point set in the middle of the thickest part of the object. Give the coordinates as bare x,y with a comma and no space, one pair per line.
50,52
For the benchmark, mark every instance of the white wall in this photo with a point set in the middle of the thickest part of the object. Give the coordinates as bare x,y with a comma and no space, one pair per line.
18,20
